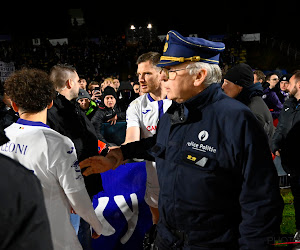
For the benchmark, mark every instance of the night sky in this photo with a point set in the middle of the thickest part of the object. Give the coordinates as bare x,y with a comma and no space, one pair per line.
207,17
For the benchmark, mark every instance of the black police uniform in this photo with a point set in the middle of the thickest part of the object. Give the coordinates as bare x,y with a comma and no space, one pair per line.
218,184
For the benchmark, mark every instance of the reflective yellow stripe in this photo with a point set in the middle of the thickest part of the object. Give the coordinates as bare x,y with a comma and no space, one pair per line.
182,59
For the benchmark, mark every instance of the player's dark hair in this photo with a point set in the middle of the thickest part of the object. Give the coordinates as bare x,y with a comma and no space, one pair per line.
30,89
153,57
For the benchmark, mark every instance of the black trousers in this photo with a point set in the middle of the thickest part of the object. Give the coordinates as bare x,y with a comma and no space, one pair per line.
295,187
182,244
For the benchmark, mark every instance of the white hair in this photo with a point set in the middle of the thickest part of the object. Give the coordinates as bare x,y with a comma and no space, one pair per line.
214,73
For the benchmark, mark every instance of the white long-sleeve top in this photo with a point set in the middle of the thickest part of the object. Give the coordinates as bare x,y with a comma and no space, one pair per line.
52,157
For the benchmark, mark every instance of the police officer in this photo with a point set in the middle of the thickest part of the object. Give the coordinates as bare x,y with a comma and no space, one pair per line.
218,184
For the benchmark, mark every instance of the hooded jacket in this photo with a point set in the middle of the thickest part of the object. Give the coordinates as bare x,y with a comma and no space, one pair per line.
251,96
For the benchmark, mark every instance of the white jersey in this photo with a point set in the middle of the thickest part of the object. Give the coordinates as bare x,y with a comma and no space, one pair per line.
52,157
145,113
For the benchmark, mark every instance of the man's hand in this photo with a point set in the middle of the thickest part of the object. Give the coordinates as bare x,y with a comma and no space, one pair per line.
100,164
277,153
95,95
113,120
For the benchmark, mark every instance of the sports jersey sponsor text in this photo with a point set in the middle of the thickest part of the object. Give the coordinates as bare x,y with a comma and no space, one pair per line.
14,148
151,128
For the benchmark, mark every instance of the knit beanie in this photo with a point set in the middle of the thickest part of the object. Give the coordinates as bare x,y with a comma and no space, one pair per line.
109,91
83,94
241,75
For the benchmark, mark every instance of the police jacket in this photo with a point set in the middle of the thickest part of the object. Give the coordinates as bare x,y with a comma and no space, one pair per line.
286,137
218,184
67,118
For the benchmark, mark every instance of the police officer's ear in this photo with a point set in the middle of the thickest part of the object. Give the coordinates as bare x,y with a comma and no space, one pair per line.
200,77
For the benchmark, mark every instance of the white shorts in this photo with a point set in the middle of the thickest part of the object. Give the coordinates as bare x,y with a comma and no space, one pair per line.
152,185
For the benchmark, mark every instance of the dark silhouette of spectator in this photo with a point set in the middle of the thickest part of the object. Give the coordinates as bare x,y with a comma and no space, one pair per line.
239,84
270,97
281,88
109,111
7,115
125,95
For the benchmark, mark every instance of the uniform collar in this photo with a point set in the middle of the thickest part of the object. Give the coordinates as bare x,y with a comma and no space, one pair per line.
31,123
207,96
191,109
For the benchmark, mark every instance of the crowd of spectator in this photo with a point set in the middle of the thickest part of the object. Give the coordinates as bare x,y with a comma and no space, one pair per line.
98,58
102,61
95,59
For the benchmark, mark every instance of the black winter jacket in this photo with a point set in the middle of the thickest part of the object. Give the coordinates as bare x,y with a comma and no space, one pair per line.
251,96
103,114
287,135
67,118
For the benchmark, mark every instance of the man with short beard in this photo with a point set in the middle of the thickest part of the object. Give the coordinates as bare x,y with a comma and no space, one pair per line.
286,140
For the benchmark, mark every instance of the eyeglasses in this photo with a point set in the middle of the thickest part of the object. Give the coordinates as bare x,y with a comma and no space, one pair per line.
170,74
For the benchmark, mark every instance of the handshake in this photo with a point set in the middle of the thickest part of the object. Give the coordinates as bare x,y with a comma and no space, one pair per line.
101,164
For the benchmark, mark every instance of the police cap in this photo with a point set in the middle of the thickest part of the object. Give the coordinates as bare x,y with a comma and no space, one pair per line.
179,49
